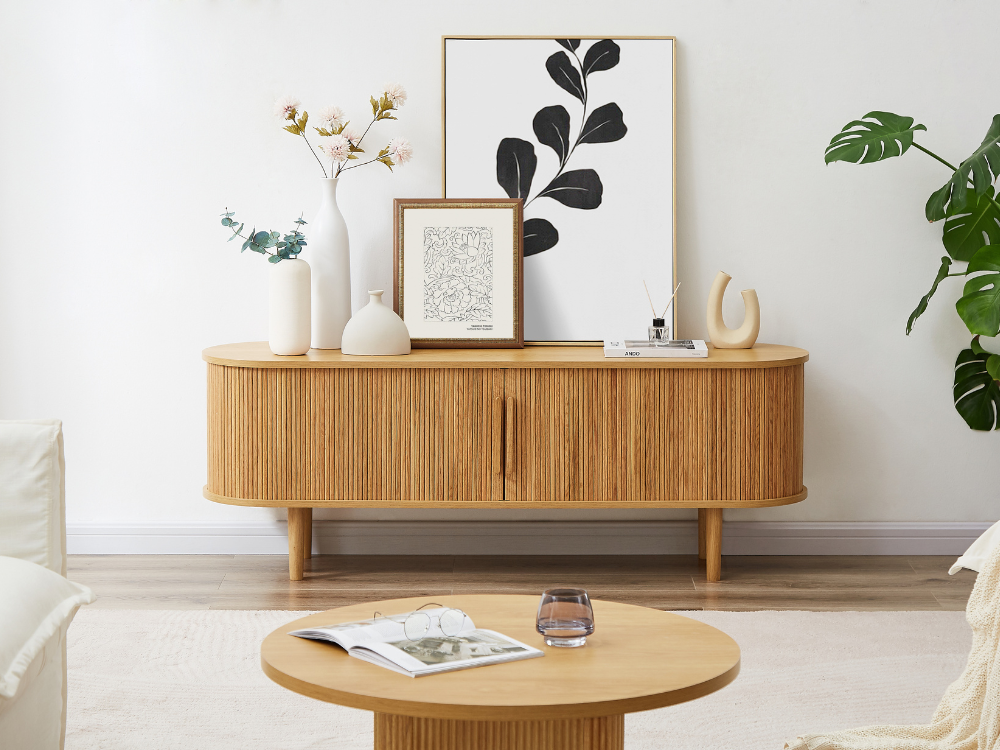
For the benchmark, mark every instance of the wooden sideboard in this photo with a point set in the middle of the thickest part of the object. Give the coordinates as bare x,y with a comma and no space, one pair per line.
553,427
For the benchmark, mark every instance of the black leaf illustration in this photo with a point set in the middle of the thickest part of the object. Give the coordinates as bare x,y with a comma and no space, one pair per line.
580,188
551,127
516,162
604,125
570,44
603,55
564,74
539,235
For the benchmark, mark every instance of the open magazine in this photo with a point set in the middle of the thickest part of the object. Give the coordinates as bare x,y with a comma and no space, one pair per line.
382,641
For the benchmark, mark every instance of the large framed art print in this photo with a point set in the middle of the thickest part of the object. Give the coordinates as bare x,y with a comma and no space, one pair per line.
581,130
458,272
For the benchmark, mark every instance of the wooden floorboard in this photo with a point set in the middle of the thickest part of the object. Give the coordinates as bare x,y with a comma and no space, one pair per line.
818,583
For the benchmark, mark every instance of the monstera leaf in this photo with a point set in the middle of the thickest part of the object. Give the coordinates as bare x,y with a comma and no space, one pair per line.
516,162
982,168
602,55
564,74
551,126
539,236
880,135
604,125
977,396
979,306
969,230
942,274
580,188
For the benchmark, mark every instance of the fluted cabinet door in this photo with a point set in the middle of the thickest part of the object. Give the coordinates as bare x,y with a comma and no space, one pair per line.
693,437
354,435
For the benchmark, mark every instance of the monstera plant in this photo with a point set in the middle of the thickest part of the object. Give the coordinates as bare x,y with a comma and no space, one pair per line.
968,205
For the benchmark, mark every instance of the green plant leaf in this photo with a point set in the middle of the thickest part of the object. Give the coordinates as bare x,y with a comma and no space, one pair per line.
978,225
300,220
977,347
229,213
976,394
274,259
993,366
979,306
878,136
942,274
227,221
982,169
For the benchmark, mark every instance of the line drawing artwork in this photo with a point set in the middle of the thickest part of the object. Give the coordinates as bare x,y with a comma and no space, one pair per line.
458,274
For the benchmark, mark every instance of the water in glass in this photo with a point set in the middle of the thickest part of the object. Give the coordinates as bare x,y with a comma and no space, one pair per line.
565,617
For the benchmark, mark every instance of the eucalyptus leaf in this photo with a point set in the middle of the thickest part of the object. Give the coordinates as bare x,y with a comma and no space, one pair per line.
274,259
982,169
602,55
227,221
565,75
976,394
516,163
580,188
261,237
976,226
878,136
539,236
979,306
942,274
551,126
604,125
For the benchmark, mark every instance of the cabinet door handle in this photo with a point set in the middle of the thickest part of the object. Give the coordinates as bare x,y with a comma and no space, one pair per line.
497,435
509,434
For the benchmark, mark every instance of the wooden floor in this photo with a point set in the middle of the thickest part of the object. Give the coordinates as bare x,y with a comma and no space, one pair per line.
664,582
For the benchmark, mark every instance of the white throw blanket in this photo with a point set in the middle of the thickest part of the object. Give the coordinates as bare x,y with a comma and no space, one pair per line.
968,717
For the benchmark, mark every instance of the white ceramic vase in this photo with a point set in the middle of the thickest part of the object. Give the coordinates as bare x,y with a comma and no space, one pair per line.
722,337
376,329
330,258
288,317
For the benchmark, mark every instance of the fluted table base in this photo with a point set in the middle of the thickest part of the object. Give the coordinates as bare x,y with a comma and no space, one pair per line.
412,733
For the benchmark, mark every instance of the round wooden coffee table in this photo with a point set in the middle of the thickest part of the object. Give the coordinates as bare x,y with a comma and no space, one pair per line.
570,699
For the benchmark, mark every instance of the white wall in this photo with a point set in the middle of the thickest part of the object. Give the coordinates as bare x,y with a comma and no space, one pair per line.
125,128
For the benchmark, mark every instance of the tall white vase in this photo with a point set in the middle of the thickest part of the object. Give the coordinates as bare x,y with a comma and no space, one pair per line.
288,307
330,258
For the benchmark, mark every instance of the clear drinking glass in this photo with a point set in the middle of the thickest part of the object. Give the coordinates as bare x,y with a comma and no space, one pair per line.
565,617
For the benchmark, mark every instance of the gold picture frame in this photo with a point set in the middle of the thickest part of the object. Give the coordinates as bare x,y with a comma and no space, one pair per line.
506,271
673,113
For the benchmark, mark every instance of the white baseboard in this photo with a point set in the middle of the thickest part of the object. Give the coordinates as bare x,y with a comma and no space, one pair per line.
527,538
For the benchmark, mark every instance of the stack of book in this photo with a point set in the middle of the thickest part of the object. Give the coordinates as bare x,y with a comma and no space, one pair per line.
679,348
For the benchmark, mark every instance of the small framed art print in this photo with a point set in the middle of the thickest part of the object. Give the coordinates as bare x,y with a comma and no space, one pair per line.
458,272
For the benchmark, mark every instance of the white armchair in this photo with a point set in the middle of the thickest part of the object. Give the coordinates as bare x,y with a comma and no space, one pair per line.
37,603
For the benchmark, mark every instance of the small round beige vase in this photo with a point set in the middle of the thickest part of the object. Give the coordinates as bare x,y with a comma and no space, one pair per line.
375,330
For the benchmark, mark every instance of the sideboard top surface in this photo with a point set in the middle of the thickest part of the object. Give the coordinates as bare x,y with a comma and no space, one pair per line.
257,354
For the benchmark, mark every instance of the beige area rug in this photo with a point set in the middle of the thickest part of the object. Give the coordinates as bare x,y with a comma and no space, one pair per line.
169,679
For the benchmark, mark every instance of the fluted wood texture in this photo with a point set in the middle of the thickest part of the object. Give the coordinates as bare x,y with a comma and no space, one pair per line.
413,733
694,437
727,436
306,437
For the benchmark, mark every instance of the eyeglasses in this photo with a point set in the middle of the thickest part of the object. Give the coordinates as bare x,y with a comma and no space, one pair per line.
417,624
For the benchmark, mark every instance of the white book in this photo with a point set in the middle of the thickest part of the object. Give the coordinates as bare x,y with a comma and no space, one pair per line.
640,349
382,641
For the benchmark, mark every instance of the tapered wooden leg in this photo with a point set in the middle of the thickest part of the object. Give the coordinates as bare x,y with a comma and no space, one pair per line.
701,533
307,535
713,544
417,733
296,522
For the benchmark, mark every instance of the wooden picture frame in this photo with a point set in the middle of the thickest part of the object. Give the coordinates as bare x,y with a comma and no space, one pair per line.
460,283
571,274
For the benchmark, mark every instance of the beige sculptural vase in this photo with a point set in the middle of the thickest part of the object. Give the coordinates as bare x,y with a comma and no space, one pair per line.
727,338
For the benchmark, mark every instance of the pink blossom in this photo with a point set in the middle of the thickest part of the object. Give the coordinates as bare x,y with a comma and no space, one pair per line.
337,148
396,94
331,118
286,107
401,150
353,135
